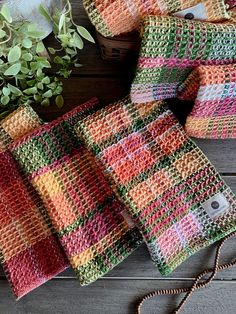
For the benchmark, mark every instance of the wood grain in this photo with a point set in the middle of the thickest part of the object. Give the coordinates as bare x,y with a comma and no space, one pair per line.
116,297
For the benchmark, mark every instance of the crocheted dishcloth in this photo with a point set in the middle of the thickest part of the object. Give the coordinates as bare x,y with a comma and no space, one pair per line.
171,47
165,180
214,90
30,253
84,211
114,17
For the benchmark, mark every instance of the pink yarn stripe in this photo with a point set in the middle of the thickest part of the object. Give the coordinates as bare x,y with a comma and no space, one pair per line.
149,63
213,108
142,93
72,243
52,166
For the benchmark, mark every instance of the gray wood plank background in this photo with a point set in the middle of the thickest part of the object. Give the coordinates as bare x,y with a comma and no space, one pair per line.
119,291
116,297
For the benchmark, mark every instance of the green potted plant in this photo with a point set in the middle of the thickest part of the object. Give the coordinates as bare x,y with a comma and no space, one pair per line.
24,61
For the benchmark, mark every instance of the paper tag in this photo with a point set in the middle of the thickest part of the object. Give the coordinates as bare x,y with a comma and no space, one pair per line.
128,219
216,205
197,12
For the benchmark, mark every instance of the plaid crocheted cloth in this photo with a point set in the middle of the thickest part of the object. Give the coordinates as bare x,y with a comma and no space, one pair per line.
214,90
30,253
114,17
172,47
86,214
171,190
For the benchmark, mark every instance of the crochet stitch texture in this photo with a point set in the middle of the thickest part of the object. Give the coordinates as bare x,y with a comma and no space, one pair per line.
213,89
164,179
115,17
87,216
171,47
30,251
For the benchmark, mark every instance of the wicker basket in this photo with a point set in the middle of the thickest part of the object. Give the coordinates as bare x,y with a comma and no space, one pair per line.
119,48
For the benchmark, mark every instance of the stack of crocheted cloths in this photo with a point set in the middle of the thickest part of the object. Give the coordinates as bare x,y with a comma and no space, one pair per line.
171,190
86,214
114,17
30,253
172,47
214,90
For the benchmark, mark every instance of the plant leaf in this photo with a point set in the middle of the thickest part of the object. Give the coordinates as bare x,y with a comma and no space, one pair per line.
59,101
40,47
25,70
61,22
40,85
30,91
33,31
46,80
16,91
5,12
5,100
47,94
32,27
77,41
43,11
58,60
45,102
14,54
52,50
85,34
6,91
27,43
27,56
37,98
13,70
40,73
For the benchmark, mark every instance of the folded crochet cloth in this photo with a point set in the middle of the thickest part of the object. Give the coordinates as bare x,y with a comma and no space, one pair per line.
87,216
214,90
114,17
170,189
30,253
172,47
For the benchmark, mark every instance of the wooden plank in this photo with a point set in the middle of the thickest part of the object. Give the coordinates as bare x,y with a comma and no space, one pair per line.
222,153
78,90
139,264
116,297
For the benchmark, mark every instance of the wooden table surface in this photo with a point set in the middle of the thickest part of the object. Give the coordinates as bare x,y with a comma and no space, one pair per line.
118,292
